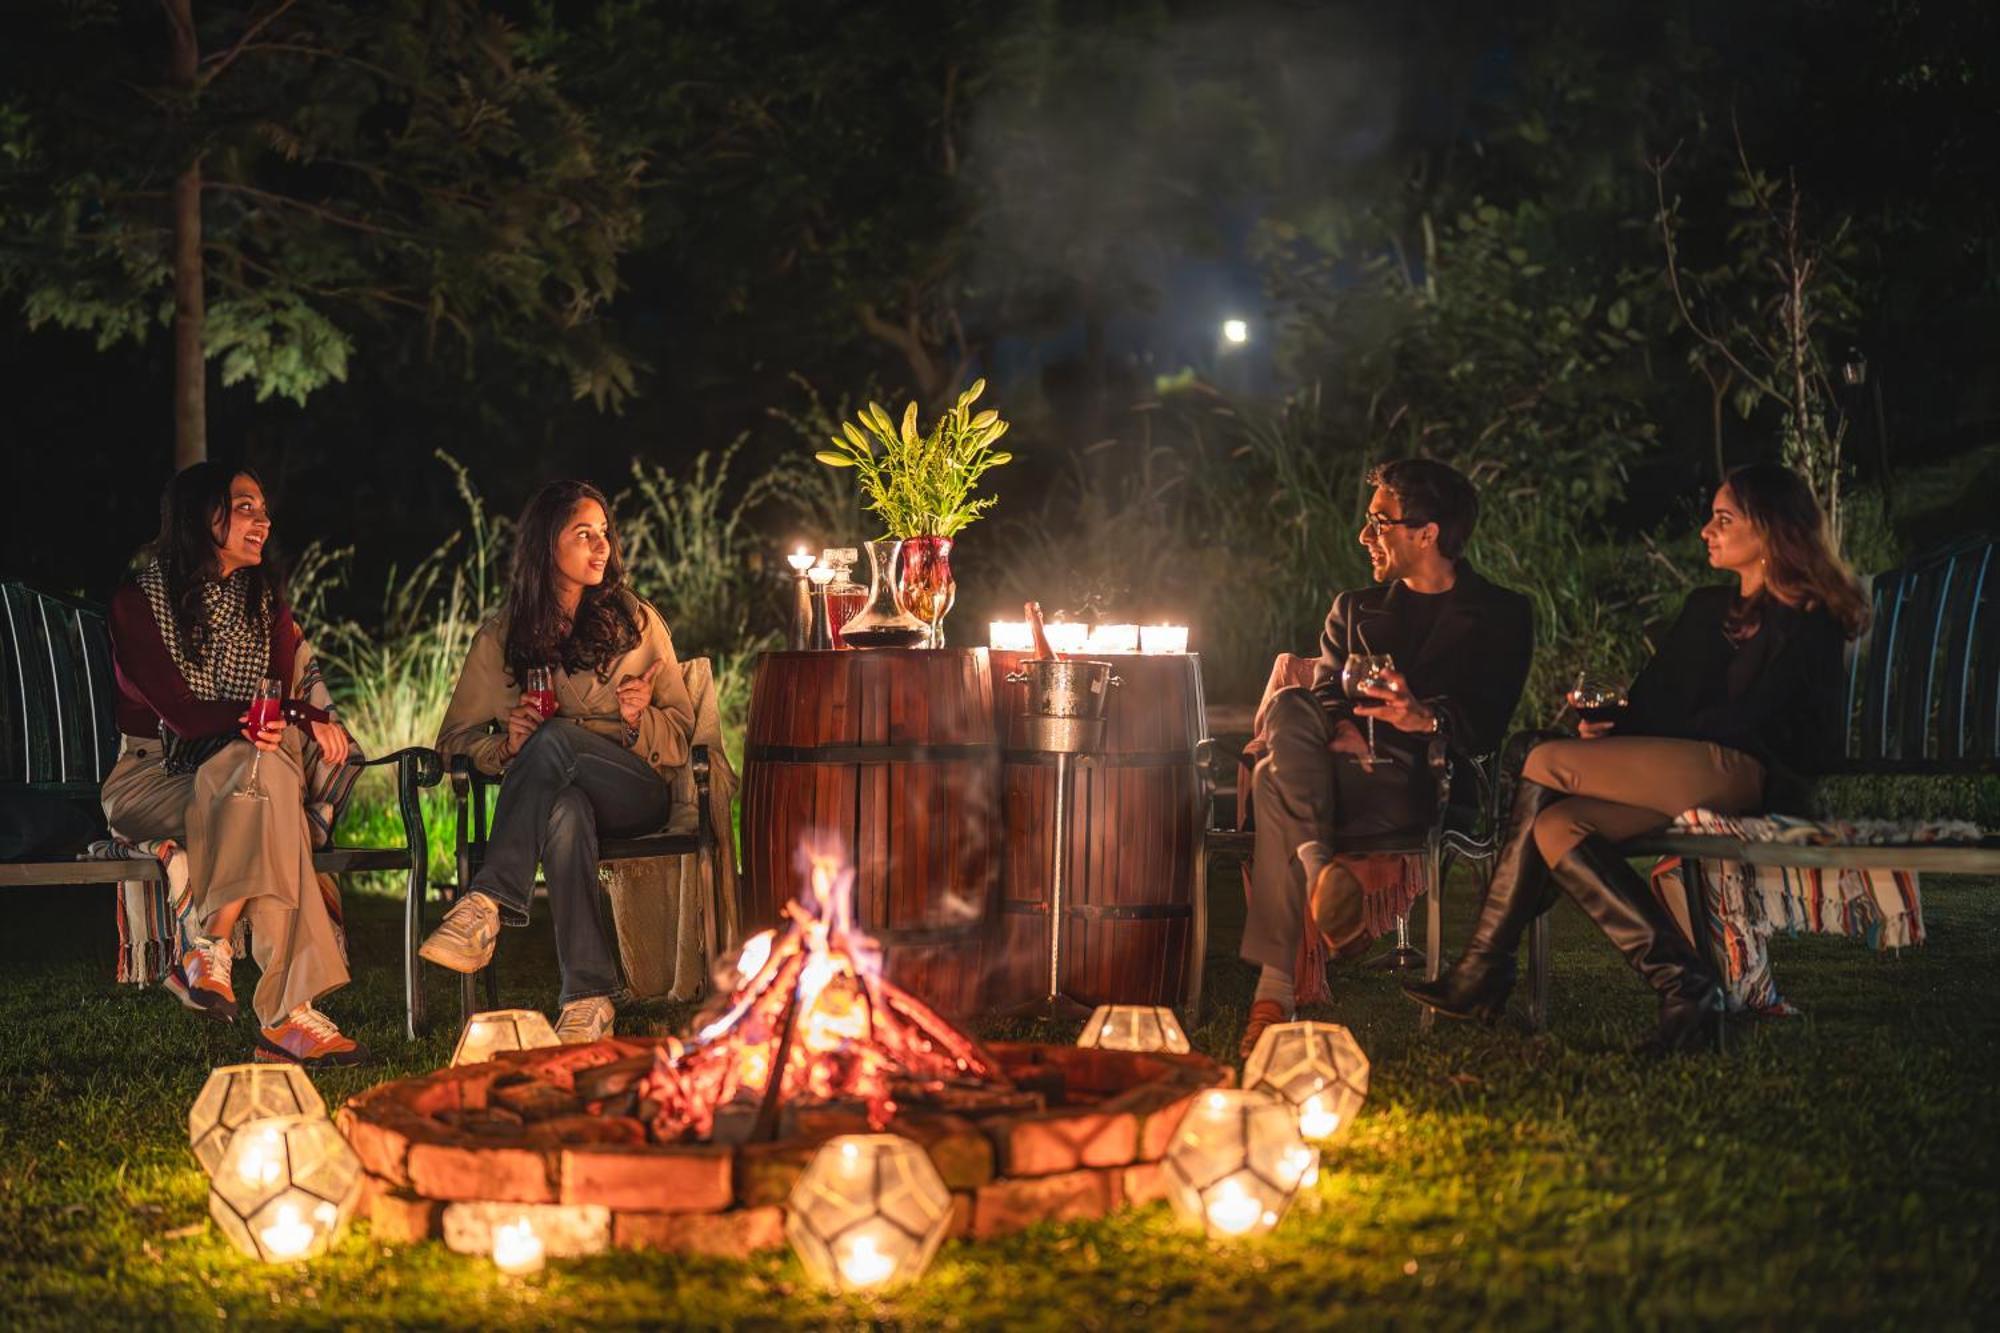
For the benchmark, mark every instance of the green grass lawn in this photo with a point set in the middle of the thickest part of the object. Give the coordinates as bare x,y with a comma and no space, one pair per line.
1839,1169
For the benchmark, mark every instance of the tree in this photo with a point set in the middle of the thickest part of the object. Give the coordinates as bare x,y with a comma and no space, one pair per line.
280,180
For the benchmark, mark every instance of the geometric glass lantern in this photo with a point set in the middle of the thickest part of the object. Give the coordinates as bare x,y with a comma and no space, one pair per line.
868,1211
1134,1027
1317,1068
237,1094
487,1034
285,1187
1236,1161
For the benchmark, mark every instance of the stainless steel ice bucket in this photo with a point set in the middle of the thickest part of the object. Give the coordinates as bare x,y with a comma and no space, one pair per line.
1071,687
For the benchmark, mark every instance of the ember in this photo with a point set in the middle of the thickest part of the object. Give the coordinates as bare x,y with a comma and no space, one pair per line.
811,1020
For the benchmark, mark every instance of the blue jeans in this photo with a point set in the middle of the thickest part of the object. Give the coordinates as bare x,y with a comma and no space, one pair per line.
566,787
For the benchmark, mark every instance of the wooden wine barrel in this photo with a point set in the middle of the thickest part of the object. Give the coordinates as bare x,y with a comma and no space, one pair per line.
888,758
1135,914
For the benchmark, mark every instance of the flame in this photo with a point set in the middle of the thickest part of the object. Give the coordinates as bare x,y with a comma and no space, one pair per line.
812,1010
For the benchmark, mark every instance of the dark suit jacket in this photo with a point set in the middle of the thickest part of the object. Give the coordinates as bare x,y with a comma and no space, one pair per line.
1471,665
1778,695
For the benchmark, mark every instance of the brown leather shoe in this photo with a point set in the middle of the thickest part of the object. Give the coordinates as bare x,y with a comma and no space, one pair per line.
1337,912
1263,1014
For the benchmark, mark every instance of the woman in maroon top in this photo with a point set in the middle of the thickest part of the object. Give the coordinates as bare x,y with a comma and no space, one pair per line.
193,636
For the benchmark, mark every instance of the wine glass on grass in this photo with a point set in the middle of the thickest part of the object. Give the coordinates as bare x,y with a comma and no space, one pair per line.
1359,671
265,705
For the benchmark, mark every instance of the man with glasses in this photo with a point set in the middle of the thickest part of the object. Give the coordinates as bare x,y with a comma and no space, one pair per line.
1460,646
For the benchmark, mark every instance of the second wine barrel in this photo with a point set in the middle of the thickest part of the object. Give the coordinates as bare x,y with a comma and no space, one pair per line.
888,760
1134,920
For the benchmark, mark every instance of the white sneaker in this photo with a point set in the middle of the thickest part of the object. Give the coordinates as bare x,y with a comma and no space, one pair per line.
586,1020
464,940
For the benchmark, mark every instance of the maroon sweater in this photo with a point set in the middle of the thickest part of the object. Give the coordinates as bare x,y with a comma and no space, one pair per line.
152,690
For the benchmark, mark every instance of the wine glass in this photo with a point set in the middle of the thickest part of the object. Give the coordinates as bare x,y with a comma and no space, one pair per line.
1596,698
541,691
265,705
1359,671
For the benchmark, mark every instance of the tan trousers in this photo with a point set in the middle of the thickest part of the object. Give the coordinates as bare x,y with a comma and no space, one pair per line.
1622,786
258,853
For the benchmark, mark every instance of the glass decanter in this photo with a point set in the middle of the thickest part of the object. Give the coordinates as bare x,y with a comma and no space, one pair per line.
885,622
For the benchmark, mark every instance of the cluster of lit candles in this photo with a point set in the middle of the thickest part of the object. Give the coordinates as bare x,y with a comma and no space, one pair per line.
1068,637
284,1182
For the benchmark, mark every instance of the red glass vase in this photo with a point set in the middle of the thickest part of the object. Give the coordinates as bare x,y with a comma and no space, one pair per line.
928,588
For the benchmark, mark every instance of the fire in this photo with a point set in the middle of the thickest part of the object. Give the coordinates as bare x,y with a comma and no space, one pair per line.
811,1018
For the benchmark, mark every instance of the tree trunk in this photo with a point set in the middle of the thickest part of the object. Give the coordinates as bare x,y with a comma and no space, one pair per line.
190,315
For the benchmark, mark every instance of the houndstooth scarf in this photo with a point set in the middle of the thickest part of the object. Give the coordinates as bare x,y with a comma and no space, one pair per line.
236,657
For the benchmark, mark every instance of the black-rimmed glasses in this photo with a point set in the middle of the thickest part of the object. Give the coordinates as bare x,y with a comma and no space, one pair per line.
1375,522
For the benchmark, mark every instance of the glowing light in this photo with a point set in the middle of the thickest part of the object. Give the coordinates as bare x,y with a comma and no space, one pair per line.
821,575
1134,1027
288,1236
1232,1211
1303,1163
1067,637
497,1030
800,560
1163,638
516,1248
756,952
1010,636
1113,639
235,1095
862,1265
261,1161
1236,332
1317,1120
868,1210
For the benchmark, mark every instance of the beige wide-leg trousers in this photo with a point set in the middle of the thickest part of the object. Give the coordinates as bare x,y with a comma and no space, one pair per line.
258,853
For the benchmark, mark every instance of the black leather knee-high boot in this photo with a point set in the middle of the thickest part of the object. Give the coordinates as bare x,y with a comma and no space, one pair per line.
1618,899
1477,985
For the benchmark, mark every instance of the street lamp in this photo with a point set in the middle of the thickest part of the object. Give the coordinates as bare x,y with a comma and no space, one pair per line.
1235,332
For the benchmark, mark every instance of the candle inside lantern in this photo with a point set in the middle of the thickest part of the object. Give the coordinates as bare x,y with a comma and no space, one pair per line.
289,1235
1317,1119
1163,638
862,1265
516,1247
1114,639
1010,636
1233,1211
262,1159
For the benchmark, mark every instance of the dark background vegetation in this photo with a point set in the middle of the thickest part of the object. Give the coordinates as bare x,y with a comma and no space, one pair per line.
1440,218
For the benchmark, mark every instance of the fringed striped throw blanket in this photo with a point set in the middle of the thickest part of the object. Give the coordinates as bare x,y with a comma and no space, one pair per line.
1744,905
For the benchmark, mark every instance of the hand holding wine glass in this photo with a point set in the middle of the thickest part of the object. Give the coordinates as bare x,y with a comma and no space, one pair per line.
264,727
1357,673
1599,703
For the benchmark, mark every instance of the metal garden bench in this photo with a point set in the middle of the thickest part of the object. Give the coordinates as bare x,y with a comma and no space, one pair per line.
59,738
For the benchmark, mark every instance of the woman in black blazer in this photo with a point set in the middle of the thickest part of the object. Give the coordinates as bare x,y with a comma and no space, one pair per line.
1741,703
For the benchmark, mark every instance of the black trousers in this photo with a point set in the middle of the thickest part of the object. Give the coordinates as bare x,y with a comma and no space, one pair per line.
1303,792
565,788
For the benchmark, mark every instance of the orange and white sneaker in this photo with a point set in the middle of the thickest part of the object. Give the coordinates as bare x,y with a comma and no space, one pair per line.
201,979
308,1037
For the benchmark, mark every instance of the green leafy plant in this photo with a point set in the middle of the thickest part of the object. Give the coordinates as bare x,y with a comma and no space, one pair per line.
921,485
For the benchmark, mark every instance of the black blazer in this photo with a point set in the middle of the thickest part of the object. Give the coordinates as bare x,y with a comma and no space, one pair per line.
1777,696
1470,665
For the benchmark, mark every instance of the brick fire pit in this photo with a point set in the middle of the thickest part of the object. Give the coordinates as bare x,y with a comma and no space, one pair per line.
514,1131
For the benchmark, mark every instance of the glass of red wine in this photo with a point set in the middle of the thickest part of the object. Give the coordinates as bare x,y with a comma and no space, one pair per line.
1362,669
1596,699
265,706
541,691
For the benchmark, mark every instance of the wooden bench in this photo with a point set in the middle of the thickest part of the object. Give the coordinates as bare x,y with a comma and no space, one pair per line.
59,738
1923,700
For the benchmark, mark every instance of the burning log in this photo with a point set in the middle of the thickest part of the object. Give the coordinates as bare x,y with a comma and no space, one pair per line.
811,1019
